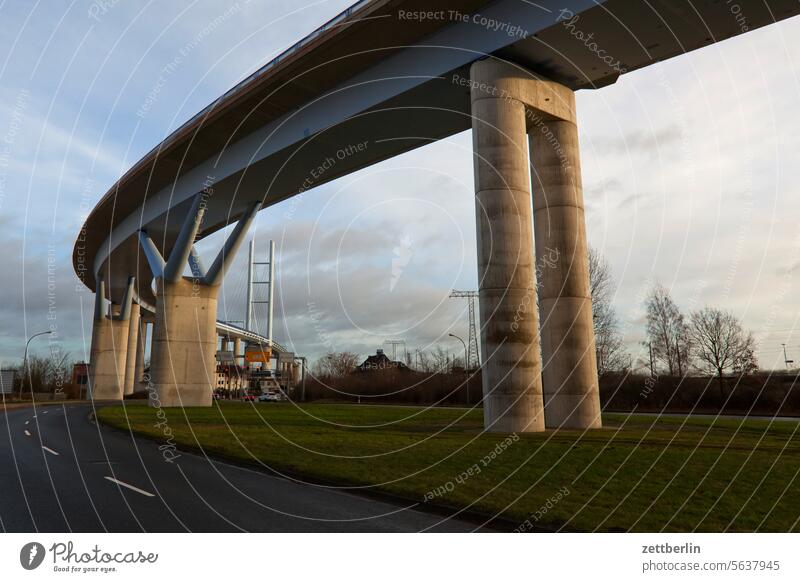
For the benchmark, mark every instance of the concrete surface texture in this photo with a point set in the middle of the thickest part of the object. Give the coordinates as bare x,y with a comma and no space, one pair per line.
571,390
132,349
108,353
512,382
140,349
183,364
525,389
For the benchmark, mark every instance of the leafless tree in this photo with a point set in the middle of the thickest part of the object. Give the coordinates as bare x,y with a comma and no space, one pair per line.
440,360
601,281
721,344
747,363
668,332
335,364
46,374
35,374
61,369
611,353
423,361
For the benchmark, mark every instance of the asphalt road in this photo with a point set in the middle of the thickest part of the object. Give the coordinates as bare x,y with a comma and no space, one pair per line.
61,472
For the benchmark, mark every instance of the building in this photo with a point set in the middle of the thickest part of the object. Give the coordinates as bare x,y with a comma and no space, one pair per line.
8,380
380,361
265,381
230,378
80,380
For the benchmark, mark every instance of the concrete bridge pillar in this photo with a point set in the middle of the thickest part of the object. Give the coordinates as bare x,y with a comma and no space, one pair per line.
140,349
571,392
183,360
238,355
512,382
109,346
132,350
184,342
508,103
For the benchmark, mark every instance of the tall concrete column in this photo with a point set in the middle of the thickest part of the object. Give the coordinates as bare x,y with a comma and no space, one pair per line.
109,347
571,393
183,360
512,384
133,350
238,357
140,348
184,342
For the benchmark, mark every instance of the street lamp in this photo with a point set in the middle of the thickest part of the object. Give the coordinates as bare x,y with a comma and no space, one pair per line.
786,359
465,360
25,357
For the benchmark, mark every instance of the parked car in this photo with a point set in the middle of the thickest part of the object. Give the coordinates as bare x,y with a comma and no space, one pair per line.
269,397
249,398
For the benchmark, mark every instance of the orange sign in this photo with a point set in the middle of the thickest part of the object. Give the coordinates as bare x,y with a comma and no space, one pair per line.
258,355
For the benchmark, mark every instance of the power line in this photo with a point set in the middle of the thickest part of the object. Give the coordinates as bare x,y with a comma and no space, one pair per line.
473,355
394,343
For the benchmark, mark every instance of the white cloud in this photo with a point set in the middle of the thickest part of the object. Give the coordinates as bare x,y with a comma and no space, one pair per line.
689,171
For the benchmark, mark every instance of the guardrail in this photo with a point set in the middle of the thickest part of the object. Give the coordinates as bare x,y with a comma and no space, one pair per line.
250,335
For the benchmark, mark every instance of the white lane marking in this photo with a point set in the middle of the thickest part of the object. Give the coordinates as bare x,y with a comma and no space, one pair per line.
45,412
131,487
49,450
27,433
27,421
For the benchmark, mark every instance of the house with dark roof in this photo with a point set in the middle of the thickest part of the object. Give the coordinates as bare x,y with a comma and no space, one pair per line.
380,361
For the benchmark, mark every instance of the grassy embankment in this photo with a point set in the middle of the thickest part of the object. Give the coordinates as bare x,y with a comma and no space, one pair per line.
638,474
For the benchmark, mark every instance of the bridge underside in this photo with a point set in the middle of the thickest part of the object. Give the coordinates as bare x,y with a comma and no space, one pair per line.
262,141
374,89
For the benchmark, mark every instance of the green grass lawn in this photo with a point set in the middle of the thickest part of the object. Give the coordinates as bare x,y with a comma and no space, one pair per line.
638,473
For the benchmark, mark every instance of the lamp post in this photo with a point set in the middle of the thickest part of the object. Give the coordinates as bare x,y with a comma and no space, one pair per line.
786,359
465,348
466,373
25,357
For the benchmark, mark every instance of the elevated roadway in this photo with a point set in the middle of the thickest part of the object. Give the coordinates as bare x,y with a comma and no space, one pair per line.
380,76
383,78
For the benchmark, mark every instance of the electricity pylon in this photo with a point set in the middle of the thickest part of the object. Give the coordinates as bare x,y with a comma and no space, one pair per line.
394,343
472,352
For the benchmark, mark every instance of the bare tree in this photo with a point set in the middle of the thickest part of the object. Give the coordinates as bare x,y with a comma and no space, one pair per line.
601,282
611,354
440,360
683,348
61,368
46,374
667,331
721,344
336,364
35,374
423,362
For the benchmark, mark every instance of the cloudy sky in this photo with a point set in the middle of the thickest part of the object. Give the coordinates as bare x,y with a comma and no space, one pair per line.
691,176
